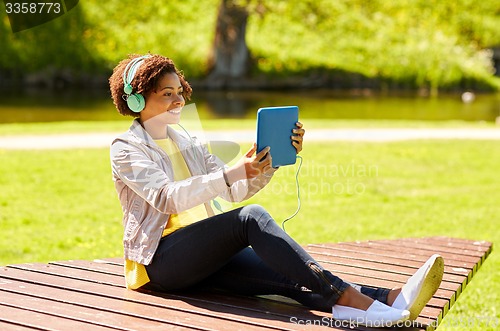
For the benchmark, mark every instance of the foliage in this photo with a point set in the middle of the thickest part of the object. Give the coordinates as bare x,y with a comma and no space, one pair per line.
424,43
180,30
95,35
55,45
418,43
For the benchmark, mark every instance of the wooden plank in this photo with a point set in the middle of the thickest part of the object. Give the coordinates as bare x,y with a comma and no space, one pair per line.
95,308
19,317
441,304
454,240
116,269
482,246
42,301
387,270
383,252
413,253
365,279
87,265
398,269
46,270
331,251
437,301
8,326
111,260
449,253
389,261
52,269
381,274
75,285
376,252
477,249
392,281
95,266
437,307
200,309
74,292
413,258
427,318
432,246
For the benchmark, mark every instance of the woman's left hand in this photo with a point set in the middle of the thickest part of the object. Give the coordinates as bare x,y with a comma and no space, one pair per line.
298,137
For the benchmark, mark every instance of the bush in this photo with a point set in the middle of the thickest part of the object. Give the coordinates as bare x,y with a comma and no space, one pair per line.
416,43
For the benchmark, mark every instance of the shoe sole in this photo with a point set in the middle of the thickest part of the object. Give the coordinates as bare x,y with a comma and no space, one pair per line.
430,285
361,320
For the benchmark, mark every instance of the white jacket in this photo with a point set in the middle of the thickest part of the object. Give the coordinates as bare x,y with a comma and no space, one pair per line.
144,181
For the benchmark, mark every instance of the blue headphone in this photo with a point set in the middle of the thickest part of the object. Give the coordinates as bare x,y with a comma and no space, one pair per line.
135,101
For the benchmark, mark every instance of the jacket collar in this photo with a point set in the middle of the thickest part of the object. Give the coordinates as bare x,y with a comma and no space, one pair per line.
139,135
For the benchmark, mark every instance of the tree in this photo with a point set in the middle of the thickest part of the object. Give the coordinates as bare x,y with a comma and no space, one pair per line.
231,57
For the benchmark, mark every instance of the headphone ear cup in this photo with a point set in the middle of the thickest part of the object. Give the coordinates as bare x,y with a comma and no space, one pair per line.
127,88
136,102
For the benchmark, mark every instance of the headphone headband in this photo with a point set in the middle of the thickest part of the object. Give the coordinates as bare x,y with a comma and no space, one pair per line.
135,101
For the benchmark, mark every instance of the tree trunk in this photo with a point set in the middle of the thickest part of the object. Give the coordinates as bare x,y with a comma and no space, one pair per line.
230,58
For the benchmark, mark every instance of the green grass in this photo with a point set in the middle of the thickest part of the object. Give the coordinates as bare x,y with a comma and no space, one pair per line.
61,204
57,205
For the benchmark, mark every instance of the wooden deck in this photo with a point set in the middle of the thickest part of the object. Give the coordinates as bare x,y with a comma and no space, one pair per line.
90,295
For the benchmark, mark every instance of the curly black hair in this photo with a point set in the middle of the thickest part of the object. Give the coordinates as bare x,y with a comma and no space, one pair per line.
145,80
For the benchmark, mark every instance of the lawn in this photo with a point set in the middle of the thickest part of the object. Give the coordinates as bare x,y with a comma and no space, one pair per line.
61,204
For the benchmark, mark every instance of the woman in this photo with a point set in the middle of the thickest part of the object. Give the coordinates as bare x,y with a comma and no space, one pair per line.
172,239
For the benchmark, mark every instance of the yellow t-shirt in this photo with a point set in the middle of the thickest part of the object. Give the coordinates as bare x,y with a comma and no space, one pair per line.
135,273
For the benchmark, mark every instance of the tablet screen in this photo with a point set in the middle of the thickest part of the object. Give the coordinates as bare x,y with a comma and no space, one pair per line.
274,129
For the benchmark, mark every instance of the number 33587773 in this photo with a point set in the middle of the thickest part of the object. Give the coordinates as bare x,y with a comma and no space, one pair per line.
32,7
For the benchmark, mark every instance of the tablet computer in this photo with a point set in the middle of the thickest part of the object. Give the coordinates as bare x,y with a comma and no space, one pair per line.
274,129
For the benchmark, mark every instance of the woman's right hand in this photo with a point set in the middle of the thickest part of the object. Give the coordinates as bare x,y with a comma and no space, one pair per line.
250,165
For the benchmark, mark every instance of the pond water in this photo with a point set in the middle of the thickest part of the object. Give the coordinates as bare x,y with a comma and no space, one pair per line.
42,106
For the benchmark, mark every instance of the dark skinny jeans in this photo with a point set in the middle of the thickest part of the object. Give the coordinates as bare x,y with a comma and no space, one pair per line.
244,251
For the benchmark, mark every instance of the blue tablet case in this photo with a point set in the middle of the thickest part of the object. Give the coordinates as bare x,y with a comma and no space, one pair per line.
274,129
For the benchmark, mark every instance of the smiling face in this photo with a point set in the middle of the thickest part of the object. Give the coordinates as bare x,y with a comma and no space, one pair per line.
155,73
164,104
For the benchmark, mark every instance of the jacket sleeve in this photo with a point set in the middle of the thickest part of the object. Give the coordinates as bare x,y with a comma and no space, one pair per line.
242,189
147,179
